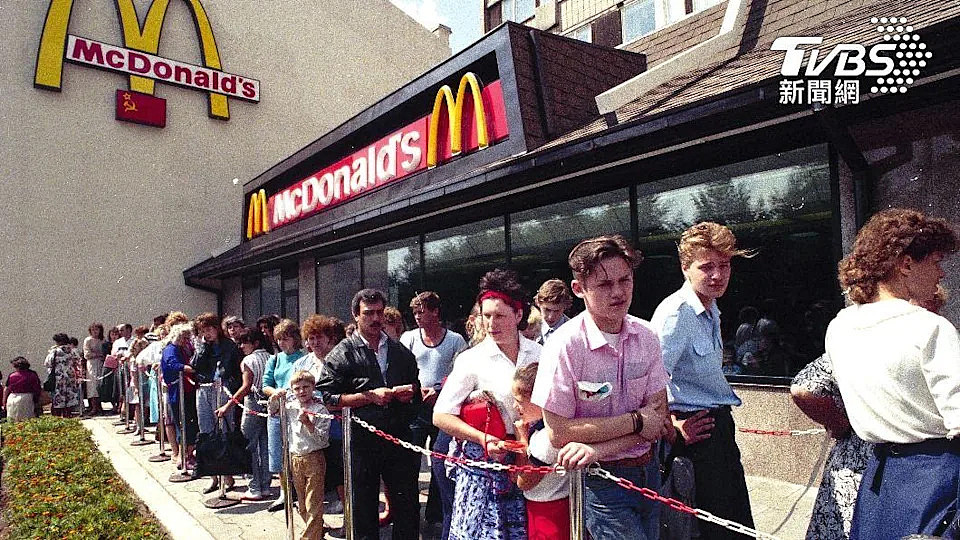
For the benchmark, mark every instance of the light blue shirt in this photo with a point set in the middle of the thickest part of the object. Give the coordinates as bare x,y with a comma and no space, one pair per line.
692,352
546,330
434,363
279,369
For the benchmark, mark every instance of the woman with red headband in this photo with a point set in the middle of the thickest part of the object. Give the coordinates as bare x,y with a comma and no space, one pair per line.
487,504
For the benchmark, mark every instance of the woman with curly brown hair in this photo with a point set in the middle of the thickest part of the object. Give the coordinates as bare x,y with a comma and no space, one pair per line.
898,369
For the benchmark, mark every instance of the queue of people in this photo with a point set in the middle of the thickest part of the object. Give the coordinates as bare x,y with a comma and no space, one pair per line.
530,385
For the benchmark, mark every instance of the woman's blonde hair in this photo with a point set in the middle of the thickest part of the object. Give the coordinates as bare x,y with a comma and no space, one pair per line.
177,332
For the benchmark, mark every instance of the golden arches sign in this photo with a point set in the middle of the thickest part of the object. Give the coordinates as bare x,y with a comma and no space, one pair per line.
257,215
49,71
454,107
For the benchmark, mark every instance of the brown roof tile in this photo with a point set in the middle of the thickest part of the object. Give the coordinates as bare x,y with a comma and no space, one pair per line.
837,21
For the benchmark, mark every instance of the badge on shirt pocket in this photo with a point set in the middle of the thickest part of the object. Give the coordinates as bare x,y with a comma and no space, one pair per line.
593,391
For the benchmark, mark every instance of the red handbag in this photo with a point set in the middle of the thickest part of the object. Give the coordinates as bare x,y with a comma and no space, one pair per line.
483,415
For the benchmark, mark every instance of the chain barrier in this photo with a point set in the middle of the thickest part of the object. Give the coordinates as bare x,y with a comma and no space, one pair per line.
594,470
784,433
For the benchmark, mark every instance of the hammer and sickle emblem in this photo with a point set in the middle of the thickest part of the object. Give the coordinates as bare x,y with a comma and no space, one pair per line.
128,104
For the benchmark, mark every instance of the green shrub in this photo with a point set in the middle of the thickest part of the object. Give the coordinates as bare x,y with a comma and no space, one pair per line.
58,485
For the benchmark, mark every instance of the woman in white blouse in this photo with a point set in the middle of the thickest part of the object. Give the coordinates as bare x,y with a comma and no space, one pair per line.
486,503
898,369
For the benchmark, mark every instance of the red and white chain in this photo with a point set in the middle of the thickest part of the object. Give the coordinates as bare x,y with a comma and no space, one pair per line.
678,505
784,433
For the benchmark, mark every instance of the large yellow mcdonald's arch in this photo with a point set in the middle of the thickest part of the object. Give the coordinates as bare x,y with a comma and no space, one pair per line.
53,40
454,108
257,215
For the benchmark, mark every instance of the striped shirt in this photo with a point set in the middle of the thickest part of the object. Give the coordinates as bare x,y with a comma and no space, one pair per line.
256,363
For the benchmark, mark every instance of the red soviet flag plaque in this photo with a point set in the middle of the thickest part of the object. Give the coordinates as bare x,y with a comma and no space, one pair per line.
141,108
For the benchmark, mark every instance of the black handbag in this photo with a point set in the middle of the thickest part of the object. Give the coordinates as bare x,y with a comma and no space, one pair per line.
51,383
223,452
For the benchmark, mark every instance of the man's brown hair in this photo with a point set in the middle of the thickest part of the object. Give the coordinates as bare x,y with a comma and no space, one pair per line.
554,291
588,254
708,235
426,300
524,378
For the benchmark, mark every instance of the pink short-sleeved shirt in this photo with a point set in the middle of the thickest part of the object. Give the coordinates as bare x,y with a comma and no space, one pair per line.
582,376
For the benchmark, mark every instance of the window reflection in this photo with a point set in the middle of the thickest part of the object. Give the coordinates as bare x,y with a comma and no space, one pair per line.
270,290
250,298
338,279
456,258
394,268
541,239
778,302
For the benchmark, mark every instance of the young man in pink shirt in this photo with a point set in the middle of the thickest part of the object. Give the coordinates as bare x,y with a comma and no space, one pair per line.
602,387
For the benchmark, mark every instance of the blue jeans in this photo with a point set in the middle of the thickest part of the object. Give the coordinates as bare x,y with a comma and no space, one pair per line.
445,486
209,399
275,443
612,512
254,428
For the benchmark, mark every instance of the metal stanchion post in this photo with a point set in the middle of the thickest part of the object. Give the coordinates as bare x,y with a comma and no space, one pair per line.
118,388
576,504
347,473
183,475
221,500
142,422
287,493
125,396
162,424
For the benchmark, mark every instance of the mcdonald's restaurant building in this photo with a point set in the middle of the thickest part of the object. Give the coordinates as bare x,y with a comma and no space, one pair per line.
125,122
519,146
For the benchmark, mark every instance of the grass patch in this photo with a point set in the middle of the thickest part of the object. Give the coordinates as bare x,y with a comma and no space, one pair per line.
56,484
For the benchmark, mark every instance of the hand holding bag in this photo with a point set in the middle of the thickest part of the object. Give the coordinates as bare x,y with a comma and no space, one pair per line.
481,413
223,452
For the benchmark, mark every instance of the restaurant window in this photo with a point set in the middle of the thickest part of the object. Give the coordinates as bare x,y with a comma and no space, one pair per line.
456,258
541,239
291,293
778,302
394,268
250,298
271,288
338,279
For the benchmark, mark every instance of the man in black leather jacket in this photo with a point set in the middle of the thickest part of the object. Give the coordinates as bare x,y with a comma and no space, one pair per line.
377,378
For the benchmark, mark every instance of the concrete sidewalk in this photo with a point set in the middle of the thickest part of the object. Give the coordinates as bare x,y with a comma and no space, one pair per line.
780,508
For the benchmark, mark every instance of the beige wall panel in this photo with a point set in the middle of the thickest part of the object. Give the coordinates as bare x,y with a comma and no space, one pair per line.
573,12
791,459
98,218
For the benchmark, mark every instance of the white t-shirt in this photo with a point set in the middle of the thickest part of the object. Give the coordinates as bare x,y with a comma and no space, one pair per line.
553,486
119,346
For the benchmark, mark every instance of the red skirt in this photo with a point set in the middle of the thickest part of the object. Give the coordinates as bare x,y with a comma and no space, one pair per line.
548,520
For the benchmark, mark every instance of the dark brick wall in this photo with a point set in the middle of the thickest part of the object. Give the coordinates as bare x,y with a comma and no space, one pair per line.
574,72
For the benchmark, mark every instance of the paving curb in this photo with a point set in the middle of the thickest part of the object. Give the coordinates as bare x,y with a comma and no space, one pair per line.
173,517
